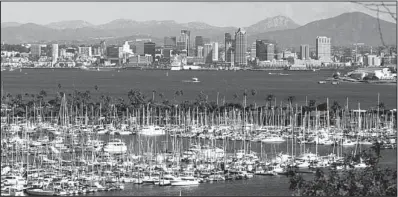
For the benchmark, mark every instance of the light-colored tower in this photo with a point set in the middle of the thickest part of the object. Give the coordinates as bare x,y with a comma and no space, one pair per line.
55,53
215,51
323,48
240,47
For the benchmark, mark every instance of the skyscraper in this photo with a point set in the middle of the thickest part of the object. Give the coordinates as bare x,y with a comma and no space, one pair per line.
35,50
227,46
103,48
269,50
198,42
323,47
170,42
207,53
240,47
139,47
305,52
199,52
55,52
186,36
149,48
85,51
253,51
215,51
261,51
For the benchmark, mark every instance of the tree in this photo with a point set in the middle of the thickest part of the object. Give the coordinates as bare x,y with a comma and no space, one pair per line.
371,181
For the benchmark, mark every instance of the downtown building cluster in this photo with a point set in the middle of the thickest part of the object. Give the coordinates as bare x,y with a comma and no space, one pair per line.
233,52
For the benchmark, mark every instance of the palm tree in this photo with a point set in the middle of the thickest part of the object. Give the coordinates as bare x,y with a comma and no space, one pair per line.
269,98
59,86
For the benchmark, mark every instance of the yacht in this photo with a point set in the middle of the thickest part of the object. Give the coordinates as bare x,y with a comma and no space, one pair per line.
115,146
152,130
193,80
348,143
273,139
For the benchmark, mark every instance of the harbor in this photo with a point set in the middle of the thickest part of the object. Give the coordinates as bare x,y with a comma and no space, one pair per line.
73,147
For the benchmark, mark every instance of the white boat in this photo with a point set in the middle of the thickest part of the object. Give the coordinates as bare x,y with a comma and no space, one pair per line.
184,181
321,82
115,146
152,130
273,139
193,80
124,132
348,143
40,192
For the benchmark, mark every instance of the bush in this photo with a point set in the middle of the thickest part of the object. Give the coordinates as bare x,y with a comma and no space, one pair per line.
370,181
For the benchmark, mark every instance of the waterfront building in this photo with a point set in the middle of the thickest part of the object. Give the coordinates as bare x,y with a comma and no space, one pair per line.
149,48
55,52
199,52
215,51
127,48
186,37
198,43
261,51
207,53
222,56
181,45
227,46
195,60
240,47
269,51
305,52
103,48
85,51
140,46
273,64
253,51
166,53
170,42
112,52
35,50
372,60
323,48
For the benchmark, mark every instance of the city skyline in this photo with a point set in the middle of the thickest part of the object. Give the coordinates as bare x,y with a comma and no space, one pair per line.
300,13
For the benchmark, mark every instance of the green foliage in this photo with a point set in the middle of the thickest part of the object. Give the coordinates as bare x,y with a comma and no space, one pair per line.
370,181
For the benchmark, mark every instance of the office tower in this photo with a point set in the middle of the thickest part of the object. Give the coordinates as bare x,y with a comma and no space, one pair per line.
207,52
85,51
199,52
198,42
55,52
149,48
253,51
186,37
181,45
170,42
240,47
261,51
323,47
305,52
35,50
139,47
227,46
269,50
103,47
112,52
215,51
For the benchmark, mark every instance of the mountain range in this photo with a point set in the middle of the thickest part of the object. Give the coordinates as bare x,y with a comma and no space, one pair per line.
344,29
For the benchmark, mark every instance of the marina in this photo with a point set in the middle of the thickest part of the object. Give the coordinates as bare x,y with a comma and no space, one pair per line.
80,148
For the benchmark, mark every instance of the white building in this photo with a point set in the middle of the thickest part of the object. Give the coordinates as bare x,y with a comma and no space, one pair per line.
372,60
55,52
85,51
215,51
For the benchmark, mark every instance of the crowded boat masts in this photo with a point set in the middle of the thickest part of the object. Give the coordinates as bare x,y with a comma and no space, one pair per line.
78,149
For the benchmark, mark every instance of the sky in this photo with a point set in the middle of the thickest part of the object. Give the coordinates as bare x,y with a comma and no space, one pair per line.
213,13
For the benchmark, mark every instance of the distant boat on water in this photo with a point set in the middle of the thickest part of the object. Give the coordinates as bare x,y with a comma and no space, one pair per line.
193,80
321,82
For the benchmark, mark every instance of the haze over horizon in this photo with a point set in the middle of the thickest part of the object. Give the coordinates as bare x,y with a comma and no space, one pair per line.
212,13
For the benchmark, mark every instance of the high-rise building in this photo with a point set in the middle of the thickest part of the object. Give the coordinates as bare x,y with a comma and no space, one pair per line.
305,52
186,37
227,46
181,45
198,42
103,47
323,48
207,53
170,42
126,48
55,52
269,50
215,51
261,51
112,52
240,47
85,51
139,47
199,52
35,50
149,48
